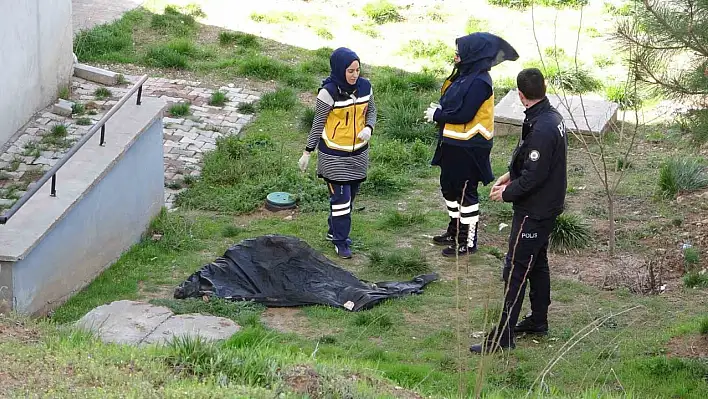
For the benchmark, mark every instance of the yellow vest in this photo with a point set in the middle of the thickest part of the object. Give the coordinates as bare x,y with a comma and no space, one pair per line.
346,119
482,123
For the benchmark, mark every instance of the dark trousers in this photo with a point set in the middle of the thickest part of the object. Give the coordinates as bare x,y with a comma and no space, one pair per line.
341,203
462,203
527,259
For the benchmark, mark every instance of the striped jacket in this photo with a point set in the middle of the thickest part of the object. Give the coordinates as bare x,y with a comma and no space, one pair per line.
342,157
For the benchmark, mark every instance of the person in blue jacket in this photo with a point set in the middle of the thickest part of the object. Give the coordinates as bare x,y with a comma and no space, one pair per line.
465,117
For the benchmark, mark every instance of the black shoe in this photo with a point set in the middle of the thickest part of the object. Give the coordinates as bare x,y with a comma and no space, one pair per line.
528,326
463,250
488,348
445,239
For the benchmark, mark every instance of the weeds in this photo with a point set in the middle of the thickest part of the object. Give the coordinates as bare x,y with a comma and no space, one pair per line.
382,181
406,262
180,109
695,280
108,41
691,256
622,95
64,93
78,109
218,98
703,326
173,22
162,56
281,99
306,119
231,231
175,229
263,67
246,108
436,50
374,320
59,130
102,93
246,40
324,33
683,175
569,233
563,74
382,11
367,29
476,25
399,220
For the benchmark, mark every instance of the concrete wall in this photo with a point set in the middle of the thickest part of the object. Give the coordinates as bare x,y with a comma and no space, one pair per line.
36,58
106,197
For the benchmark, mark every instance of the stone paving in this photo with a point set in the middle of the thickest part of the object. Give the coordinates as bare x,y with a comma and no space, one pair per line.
40,144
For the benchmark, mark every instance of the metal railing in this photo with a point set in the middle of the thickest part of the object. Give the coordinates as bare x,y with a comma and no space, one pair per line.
52,173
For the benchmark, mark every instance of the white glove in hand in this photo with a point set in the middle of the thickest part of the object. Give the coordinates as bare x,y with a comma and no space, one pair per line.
436,105
365,134
430,113
304,161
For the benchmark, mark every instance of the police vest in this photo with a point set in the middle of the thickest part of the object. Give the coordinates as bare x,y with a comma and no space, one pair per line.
479,131
346,119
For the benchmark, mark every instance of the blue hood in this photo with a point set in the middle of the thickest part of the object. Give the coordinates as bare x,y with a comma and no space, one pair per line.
340,59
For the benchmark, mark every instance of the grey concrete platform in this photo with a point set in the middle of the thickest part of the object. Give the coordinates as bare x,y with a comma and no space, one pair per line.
139,323
597,117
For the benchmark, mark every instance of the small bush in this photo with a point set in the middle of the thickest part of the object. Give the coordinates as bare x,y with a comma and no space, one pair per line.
406,262
401,119
624,96
59,130
423,81
691,256
102,93
183,46
703,326
83,121
239,38
324,33
103,41
476,25
382,11
569,233
218,98
367,29
696,280
180,109
78,109
398,220
164,57
695,123
247,108
306,119
682,175
281,99
263,67
64,93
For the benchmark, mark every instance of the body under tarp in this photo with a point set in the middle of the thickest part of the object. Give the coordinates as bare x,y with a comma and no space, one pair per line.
279,271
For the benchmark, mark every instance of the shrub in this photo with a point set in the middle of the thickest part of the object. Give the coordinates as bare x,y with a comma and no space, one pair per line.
78,109
696,280
382,11
218,98
281,99
691,256
401,119
239,38
180,109
324,33
682,175
406,262
624,96
174,22
246,108
103,41
569,233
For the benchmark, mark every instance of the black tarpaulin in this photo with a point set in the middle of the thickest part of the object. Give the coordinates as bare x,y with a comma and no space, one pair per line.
282,271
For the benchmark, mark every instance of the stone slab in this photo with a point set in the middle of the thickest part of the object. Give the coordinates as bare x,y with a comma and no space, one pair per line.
139,323
95,74
597,118
63,107
124,322
193,325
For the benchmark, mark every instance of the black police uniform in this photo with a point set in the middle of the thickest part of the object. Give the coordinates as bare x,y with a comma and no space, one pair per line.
537,190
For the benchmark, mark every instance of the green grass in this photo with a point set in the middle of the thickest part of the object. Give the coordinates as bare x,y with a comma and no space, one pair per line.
241,312
246,40
78,109
180,109
703,326
695,280
691,256
408,262
246,108
367,29
324,33
218,98
435,50
624,96
102,93
476,25
382,11
281,99
677,176
64,93
402,220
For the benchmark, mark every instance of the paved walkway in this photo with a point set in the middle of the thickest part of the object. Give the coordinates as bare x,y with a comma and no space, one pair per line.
89,13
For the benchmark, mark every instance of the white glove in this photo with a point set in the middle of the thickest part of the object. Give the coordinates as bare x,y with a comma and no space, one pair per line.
304,161
436,105
430,113
365,133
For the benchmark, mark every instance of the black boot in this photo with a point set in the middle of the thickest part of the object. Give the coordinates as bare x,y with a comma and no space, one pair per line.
529,325
462,250
445,239
493,344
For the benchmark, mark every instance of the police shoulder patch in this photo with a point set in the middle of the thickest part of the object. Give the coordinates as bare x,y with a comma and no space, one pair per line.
534,155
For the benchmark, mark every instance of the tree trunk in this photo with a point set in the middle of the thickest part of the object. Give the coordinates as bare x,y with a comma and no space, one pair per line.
611,216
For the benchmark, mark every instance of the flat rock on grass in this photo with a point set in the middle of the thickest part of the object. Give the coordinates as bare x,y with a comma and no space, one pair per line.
137,323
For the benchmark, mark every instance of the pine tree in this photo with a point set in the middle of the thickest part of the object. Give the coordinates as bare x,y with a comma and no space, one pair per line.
668,45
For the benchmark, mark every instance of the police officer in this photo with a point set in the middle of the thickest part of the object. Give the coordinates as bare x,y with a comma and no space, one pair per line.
536,185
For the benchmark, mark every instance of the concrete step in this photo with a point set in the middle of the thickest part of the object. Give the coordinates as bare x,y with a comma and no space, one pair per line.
97,75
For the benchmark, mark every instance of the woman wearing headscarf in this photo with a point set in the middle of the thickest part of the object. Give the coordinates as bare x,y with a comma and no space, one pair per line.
345,116
465,117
